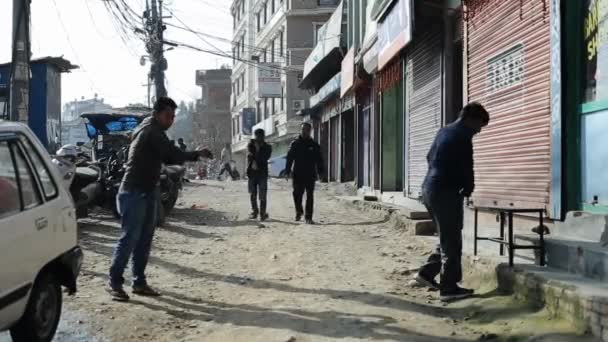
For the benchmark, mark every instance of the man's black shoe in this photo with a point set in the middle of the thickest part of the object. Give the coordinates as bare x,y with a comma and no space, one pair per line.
455,293
298,217
426,281
264,217
253,216
310,221
117,293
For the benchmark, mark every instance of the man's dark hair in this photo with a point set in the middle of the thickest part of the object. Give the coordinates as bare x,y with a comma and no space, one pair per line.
164,103
181,140
475,110
259,132
307,124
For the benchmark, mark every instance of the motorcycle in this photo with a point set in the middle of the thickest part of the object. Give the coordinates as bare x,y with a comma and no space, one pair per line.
81,178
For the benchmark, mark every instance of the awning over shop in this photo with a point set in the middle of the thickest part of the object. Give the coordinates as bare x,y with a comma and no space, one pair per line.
329,90
370,58
324,60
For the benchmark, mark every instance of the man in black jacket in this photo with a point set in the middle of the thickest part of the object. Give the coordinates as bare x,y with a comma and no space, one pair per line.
257,170
304,165
137,198
449,179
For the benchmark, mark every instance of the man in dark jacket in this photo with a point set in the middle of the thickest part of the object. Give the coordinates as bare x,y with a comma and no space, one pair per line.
304,164
450,178
138,196
257,170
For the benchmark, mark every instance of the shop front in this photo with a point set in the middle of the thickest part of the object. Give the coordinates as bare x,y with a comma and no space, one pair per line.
587,54
508,54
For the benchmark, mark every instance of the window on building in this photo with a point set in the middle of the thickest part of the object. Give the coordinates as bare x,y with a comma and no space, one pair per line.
316,32
282,97
266,108
243,82
272,6
281,44
258,112
243,47
265,12
264,56
258,20
272,53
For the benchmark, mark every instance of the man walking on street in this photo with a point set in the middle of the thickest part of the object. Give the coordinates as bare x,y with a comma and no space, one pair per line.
257,170
304,165
225,158
138,196
450,178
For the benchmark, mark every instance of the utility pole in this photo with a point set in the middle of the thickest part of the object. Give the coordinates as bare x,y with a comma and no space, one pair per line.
155,45
20,66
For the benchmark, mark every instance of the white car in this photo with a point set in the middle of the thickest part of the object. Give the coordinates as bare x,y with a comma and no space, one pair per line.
39,250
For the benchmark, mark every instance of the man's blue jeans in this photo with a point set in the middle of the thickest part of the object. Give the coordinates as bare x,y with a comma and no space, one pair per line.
138,211
446,209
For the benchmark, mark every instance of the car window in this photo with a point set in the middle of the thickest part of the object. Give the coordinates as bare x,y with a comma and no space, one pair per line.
9,191
27,182
48,186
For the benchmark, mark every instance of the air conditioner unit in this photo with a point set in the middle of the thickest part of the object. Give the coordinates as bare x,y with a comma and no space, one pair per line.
298,104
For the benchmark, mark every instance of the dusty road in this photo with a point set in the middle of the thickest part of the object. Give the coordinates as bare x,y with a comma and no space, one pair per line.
227,278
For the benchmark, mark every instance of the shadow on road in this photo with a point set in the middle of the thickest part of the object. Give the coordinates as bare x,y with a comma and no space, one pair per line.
103,245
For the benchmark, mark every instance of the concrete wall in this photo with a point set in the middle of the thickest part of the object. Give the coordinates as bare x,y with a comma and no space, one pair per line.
300,30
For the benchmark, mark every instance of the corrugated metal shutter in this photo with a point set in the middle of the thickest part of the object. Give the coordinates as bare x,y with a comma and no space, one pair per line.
509,73
424,101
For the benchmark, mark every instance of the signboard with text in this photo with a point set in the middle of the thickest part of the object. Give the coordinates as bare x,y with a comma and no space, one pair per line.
269,80
394,31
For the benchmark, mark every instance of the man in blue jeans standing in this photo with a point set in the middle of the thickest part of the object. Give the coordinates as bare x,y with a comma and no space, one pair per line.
450,178
138,196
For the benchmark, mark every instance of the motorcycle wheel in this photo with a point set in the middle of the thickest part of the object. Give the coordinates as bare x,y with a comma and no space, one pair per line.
169,203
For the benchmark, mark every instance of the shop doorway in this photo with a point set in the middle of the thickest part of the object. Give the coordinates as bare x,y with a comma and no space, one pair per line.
348,146
392,138
324,142
334,148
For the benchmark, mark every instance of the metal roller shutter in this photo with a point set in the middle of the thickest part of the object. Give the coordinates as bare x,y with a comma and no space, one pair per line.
508,52
424,101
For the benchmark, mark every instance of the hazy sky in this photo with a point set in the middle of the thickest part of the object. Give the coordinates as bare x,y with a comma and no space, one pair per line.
107,65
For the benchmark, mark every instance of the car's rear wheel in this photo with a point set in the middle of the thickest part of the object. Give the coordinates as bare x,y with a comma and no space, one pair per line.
43,312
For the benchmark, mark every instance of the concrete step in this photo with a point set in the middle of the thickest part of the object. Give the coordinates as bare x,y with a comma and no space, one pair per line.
585,258
414,221
578,299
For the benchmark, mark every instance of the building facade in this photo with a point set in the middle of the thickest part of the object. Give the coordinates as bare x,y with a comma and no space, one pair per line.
271,41
211,125
72,125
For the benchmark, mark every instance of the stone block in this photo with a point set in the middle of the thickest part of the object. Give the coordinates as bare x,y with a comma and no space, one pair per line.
604,336
416,214
423,227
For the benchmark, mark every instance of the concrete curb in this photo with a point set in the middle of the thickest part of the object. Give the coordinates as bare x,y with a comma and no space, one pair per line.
587,312
399,216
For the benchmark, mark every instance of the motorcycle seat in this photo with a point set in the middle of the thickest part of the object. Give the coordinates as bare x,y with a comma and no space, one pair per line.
87,173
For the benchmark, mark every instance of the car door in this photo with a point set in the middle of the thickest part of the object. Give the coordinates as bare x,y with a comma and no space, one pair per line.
57,208
20,223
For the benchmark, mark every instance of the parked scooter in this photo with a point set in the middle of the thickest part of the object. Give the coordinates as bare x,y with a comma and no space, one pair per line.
82,178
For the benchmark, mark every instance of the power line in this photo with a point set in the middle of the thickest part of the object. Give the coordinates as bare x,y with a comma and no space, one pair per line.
91,83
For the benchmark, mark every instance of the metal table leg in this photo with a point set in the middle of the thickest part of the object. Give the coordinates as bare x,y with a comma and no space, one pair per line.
542,239
475,232
511,249
502,232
